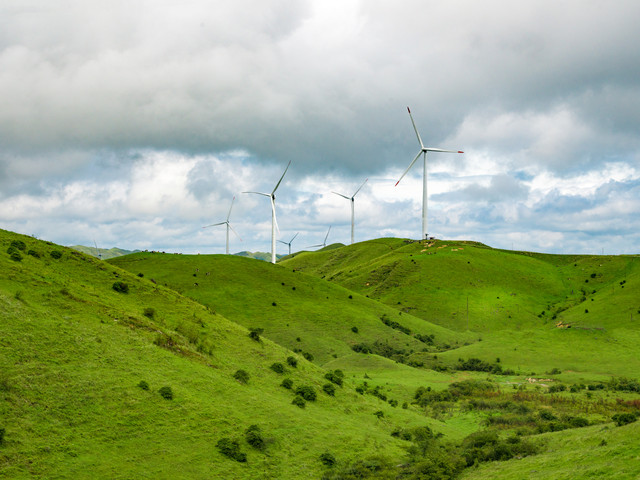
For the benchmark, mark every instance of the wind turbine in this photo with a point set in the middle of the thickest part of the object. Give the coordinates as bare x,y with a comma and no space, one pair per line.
423,151
274,222
289,242
352,202
226,222
98,254
323,244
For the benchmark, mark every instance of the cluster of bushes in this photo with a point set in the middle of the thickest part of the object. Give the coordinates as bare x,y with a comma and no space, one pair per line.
477,365
426,339
165,392
120,287
335,376
231,449
306,355
395,325
15,248
378,393
424,396
384,349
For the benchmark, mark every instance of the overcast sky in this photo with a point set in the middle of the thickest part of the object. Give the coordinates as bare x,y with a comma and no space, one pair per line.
135,123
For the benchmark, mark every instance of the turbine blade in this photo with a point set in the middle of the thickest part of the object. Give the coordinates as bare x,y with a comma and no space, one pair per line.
327,235
294,237
259,193
343,196
414,127
359,188
214,224
234,231
441,150
229,214
278,184
409,167
283,242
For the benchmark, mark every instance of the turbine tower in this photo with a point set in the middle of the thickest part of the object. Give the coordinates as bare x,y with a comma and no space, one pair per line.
289,242
274,222
323,244
226,222
423,151
352,202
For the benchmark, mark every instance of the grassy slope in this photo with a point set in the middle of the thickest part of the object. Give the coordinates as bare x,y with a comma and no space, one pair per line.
318,313
72,351
507,294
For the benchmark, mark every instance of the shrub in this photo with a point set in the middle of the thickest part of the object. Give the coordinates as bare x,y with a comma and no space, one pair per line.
307,392
277,367
143,385
18,244
292,362
287,383
298,401
56,254
624,418
254,333
149,312
334,376
327,459
379,414
15,256
361,348
141,274
241,375
329,389
120,287
253,435
166,393
354,329
231,449
578,422
33,253
308,356
2,432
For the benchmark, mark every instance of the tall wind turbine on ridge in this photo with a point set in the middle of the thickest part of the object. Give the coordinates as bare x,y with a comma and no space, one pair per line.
423,151
274,222
352,202
226,222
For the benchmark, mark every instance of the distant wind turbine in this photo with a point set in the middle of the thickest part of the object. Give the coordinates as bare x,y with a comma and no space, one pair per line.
274,222
98,254
229,227
423,151
352,197
323,244
289,242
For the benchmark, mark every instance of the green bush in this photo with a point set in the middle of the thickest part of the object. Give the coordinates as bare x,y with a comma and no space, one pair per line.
329,389
19,244
354,329
253,435
166,393
120,287
307,392
241,375
298,401
379,414
327,459
33,253
56,254
292,362
624,418
15,256
2,432
277,367
143,385
335,376
231,449
308,356
149,312
287,383
254,333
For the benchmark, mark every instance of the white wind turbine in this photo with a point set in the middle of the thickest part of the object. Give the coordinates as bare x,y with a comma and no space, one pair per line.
274,222
289,242
98,254
423,151
229,227
323,244
352,202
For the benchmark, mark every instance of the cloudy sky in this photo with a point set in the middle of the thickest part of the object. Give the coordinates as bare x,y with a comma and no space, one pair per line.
135,123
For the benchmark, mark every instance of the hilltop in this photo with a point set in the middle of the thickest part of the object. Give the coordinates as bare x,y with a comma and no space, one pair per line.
103,253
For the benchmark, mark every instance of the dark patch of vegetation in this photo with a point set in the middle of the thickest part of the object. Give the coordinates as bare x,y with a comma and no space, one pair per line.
292,362
149,312
15,256
329,389
141,274
335,376
395,325
623,384
307,356
2,433
307,392
287,383
19,245
277,367
242,376
327,459
253,436
56,254
298,401
254,333
426,339
143,385
624,418
354,329
166,393
120,287
477,365
33,253
231,449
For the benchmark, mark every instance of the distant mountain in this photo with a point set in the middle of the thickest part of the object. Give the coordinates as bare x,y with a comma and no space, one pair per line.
266,256
104,253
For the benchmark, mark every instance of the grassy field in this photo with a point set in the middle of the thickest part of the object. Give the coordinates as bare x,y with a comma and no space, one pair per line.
435,395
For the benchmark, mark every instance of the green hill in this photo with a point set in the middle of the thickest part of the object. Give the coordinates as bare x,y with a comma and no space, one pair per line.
404,387
103,253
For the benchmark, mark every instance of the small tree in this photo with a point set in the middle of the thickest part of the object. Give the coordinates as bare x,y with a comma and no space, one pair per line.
253,435
307,392
143,385
120,287
329,389
298,401
254,333
292,362
287,383
327,459
231,449
241,375
166,393
277,367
